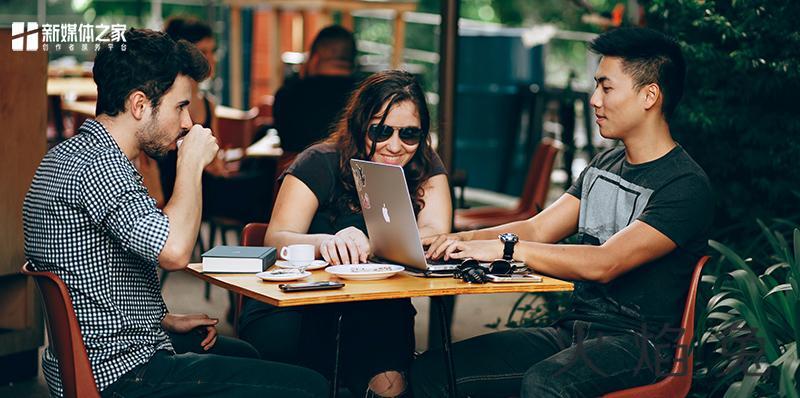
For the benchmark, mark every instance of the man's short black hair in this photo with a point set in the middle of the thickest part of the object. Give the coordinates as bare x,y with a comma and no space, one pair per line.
149,63
190,29
335,43
648,56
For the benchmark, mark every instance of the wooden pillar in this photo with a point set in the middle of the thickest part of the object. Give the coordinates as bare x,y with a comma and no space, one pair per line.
236,76
23,110
285,26
448,45
261,66
348,22
274,52
312,23
399,40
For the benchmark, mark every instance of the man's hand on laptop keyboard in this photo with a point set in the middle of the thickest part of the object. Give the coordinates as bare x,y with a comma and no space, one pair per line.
437,244
348,246
481,250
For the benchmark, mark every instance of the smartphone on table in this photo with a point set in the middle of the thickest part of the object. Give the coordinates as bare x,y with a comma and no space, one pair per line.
514,278
301,287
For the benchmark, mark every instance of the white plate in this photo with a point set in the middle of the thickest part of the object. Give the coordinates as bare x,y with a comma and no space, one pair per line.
316,264
279,275
364,272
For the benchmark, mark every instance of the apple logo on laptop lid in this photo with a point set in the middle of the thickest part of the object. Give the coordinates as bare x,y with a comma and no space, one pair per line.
386,214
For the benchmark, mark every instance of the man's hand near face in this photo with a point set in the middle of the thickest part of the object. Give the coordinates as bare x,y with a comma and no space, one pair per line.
199,147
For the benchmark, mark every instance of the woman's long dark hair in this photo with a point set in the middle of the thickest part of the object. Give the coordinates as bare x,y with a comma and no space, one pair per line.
390,87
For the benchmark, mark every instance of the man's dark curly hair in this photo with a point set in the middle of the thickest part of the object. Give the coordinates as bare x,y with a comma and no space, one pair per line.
149,63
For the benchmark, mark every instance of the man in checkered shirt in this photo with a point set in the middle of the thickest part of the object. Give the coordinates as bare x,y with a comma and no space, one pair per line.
89,220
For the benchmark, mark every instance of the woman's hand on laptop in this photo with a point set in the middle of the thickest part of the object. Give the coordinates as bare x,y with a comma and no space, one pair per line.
437,244
348,246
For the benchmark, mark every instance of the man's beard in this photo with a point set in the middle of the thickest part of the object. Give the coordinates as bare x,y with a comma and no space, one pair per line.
151,139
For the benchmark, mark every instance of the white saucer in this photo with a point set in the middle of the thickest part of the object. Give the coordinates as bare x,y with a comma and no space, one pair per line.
280,275
364,272
316,264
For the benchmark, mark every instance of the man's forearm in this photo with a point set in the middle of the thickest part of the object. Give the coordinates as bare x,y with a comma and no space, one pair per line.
183,211
523,229
575,262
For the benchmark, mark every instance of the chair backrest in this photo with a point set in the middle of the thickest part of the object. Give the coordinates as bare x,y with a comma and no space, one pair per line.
679,381
265,111
64,335
537,181
235,127
253,234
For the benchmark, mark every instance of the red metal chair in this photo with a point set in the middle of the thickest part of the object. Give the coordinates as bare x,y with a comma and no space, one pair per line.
64,335
532,200
252,235
235,127
679,381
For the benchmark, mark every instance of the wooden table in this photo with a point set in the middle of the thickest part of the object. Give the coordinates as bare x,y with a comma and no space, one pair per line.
83,108
77,86
398,286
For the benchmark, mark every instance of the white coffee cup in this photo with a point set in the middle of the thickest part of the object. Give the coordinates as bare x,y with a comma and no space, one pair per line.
298,255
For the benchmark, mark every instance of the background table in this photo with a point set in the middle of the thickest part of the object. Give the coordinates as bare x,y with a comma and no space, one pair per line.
398,286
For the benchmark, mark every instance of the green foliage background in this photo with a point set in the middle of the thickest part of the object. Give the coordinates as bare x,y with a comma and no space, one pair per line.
739,116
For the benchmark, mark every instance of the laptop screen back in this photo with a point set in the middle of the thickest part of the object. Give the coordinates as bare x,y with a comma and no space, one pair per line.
388,213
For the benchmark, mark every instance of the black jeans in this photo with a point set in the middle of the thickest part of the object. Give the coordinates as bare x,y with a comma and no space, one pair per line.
232,368
569,359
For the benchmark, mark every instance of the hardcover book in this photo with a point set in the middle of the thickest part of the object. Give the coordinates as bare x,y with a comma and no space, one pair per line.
238,259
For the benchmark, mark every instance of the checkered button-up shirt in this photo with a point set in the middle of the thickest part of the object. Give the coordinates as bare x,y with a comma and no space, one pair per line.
88,219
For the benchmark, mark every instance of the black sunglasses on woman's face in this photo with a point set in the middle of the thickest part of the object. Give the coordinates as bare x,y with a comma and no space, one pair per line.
382,132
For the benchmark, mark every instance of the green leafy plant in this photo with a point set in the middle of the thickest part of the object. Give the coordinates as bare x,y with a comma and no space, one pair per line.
737,117
749,331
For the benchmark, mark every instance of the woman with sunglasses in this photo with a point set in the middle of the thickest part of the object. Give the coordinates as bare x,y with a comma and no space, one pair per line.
386,120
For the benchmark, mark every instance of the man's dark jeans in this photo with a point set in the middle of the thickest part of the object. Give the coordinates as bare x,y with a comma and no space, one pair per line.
232,368
569,359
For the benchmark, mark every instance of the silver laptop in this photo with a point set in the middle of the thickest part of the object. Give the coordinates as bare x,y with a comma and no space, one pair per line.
390,219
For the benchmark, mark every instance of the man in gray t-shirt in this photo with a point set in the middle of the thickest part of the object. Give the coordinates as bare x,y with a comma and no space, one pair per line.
641,212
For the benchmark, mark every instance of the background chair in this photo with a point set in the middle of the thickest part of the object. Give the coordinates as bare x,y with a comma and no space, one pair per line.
532,200
679,381
64,335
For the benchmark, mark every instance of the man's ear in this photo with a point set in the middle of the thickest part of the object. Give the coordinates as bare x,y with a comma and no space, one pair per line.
652,94
137,102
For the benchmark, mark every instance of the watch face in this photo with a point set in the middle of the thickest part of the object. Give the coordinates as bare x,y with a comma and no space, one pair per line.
508,237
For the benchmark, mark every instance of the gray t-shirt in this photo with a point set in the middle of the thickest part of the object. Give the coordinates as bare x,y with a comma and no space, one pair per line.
671,194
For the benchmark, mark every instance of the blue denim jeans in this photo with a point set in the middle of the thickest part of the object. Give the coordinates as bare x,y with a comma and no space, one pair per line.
569,359
230,369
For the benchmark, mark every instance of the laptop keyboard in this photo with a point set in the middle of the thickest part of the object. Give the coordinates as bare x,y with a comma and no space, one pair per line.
451,261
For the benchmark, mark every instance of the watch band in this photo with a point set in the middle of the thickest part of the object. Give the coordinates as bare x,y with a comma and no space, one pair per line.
508,250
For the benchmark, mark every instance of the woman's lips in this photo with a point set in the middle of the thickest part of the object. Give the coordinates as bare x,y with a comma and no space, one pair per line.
391,159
